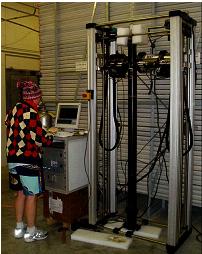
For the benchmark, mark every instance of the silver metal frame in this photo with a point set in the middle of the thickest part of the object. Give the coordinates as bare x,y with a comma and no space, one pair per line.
92,116
191,99
176,129
175,223
113,154
176,132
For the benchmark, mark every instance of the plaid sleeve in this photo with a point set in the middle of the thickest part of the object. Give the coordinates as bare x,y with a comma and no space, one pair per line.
7,123
7,119
38,134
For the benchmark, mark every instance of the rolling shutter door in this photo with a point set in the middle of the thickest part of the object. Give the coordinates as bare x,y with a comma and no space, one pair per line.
63,43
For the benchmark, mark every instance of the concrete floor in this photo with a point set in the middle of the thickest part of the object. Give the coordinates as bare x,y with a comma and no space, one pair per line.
53,244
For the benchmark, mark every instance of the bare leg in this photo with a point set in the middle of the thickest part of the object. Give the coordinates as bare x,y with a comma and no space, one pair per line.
19,206
32,232
30,210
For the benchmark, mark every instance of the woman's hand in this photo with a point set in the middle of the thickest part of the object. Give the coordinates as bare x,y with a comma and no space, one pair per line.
53,130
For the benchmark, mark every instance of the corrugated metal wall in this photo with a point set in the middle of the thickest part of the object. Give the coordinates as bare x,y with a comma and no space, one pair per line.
63,42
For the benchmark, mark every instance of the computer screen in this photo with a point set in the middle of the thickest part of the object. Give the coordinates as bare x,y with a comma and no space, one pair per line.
68,115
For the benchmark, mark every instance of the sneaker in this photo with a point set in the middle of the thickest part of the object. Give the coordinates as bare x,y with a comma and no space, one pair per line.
36,236
19,232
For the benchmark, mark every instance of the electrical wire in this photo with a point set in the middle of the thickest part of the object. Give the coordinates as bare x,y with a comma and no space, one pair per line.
154,196
158,155
189,123
166,131
156,133
85,154
152,91
158,125
105,78
118,126
199,235
159,152
122,134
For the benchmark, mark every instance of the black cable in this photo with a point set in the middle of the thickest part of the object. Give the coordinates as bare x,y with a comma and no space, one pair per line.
185,100
151,83
117,125
167,134
105,85
152,199
85,153
166,130
167,126
158,125
105,71
199,235
190,145
122,134
190,132
159,153
152,92
150,140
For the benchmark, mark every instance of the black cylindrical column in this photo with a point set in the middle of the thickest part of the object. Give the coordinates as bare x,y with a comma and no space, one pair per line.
131,220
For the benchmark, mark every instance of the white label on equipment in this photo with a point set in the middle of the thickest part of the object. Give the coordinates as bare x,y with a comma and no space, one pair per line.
55,205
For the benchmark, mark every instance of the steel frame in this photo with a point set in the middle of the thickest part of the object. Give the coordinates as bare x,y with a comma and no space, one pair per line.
174,234
178,230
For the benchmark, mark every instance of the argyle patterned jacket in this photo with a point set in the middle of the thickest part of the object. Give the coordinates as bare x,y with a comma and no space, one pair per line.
25,135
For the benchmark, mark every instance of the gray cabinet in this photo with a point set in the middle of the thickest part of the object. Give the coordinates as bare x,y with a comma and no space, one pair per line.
65,164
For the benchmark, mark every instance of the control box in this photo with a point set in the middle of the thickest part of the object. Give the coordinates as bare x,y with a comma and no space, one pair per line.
65,164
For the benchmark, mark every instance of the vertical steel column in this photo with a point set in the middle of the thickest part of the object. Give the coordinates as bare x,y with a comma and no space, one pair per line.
176,129
152,176
92,122
191,99
131,220
106,130
113,157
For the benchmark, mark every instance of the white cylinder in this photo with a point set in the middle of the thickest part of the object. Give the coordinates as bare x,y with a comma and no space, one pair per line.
139,39
137,29
123,31
122,41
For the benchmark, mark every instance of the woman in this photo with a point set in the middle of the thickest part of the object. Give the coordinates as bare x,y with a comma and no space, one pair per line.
25,138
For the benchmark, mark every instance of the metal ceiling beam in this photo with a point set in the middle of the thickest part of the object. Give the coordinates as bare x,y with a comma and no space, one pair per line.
28,5
15,23
17,10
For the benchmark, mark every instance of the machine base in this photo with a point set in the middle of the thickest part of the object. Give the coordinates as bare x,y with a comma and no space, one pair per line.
144,231
104,239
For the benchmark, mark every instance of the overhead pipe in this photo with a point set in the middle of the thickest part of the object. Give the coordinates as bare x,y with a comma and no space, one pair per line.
14,9
34,30
116,22
20,17
28,5
20,53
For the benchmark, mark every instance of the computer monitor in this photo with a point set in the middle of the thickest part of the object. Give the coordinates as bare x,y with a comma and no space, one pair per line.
68,115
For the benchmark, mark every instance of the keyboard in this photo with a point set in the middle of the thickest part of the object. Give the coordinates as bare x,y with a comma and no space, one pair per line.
63,134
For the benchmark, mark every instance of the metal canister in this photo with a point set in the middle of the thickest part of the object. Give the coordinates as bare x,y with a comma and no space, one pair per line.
46,118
